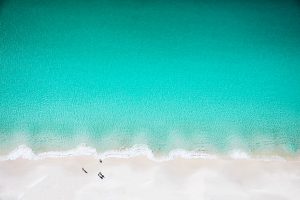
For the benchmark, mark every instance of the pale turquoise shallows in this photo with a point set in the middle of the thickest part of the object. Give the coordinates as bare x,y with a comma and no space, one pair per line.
209,75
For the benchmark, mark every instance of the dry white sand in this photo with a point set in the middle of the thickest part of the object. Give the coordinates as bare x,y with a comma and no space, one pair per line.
141,178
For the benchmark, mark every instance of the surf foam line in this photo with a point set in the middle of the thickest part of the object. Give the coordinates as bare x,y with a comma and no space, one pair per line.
25,152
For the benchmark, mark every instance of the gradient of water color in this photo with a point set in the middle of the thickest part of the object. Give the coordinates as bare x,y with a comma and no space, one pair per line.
200,75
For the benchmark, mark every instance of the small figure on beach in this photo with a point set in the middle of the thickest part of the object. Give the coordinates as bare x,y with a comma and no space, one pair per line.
100,175
84,170
100,160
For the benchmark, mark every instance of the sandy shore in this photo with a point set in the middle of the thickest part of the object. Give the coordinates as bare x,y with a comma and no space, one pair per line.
141,178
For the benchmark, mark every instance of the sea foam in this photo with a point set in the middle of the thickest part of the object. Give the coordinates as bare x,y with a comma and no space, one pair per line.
25,152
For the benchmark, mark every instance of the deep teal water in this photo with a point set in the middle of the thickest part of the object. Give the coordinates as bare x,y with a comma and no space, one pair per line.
172,74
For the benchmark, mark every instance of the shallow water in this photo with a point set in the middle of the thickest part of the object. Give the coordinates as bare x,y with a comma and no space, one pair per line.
198,75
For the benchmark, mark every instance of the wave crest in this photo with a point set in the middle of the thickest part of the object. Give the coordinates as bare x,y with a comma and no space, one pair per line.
25,152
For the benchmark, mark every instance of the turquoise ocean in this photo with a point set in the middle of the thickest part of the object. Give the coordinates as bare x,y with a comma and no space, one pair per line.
206,75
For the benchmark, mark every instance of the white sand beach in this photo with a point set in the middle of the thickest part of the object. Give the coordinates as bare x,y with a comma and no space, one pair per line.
141,178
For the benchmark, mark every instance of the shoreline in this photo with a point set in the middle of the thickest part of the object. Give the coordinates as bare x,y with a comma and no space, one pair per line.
26,152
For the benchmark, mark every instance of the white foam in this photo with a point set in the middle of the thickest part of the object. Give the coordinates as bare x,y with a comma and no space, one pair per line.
81,150
25,152
21,151
190,154
238,154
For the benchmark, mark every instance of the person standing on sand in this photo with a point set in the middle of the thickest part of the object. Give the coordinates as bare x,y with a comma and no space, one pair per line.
100,175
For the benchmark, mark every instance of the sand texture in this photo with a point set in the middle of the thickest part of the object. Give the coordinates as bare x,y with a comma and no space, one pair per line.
141,178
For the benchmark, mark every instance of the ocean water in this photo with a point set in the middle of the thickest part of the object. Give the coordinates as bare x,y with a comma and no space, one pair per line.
206,76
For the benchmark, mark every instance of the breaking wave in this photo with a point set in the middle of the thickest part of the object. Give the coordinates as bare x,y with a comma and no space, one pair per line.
25,152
